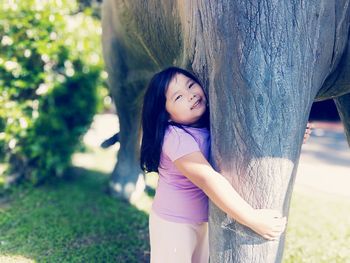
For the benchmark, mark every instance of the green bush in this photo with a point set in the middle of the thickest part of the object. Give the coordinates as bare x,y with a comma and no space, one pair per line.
50,72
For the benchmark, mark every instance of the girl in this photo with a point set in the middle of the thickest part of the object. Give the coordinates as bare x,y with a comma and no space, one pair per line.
175,143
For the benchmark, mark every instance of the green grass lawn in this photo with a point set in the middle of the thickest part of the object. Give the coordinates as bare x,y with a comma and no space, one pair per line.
318,228
75,220
71,221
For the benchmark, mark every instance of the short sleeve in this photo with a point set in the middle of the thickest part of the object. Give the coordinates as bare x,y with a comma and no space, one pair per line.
178,143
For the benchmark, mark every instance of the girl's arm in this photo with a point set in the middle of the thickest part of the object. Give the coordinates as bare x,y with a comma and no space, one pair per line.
268,223
308,131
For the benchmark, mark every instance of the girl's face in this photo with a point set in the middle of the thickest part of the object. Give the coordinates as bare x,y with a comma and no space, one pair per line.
185,100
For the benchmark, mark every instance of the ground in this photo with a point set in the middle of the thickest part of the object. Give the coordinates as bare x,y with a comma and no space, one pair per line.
74,220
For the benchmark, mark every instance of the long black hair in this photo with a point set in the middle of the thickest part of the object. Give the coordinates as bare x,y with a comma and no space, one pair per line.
155,118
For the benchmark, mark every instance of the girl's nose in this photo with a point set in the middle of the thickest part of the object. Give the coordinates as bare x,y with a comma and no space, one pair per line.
191,96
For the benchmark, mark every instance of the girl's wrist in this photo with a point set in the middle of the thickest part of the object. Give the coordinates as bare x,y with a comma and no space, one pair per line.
248,217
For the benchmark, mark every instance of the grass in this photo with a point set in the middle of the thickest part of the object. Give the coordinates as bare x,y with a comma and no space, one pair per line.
75,220
318,229
72,221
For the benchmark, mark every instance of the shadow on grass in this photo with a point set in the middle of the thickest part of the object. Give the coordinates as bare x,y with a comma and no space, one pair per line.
73,220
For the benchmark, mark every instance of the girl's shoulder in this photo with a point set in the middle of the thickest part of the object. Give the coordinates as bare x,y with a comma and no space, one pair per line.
173,130
179,135
178,142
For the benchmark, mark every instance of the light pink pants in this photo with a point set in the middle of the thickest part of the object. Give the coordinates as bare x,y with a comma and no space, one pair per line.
173,242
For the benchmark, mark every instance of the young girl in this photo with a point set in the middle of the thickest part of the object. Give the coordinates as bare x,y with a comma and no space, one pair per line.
175,143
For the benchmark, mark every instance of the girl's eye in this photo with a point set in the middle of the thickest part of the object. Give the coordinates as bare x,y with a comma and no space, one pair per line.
190,86
178,97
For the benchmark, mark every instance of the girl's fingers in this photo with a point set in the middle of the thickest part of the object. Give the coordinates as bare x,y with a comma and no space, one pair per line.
267,237
277,230
275,214
274,234
270,237
281,220
309,125
279,227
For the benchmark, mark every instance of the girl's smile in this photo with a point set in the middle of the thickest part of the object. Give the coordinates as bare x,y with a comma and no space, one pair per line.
185,100
197,103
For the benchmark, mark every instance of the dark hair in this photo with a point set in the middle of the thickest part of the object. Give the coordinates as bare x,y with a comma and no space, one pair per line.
155,118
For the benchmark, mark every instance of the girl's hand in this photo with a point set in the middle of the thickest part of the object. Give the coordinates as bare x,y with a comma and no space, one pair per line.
309,126
268,223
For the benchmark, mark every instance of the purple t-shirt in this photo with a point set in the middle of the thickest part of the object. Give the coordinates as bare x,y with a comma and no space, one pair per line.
177,199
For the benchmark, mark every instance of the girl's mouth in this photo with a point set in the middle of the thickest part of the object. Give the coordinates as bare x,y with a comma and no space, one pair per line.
196,104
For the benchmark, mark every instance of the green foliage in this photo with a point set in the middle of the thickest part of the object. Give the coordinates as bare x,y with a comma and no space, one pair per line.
50,72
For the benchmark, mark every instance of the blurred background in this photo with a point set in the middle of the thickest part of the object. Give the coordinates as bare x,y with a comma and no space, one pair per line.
55,111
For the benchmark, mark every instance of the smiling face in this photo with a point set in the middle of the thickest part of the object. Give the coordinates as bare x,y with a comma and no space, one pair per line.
185,100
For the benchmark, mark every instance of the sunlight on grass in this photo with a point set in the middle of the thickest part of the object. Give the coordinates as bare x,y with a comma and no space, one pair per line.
318,228
2,176
15,259
144,203
98,159
73,220
2,168
103,160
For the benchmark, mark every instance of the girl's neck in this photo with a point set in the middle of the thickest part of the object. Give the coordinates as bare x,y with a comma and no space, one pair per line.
203,122
199,124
